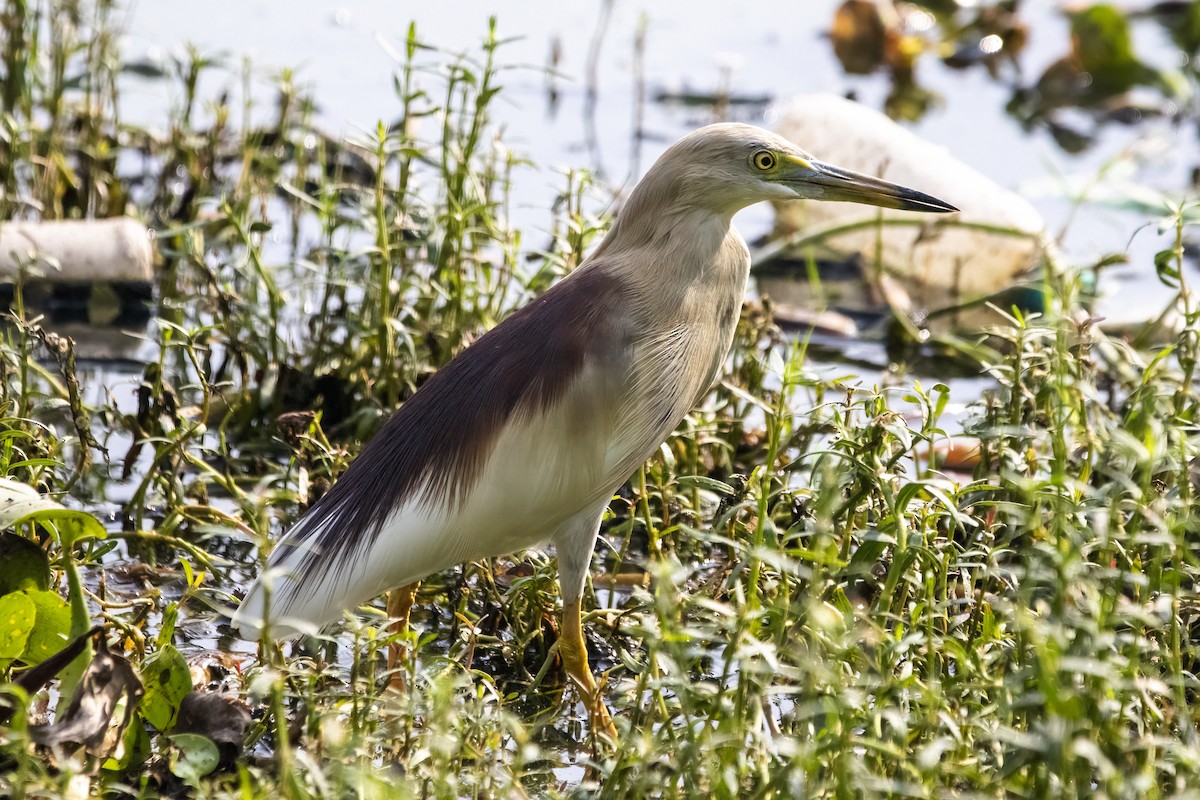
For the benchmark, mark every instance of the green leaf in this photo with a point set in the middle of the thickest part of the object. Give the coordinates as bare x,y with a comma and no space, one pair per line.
133,750
26,566
1101,38
194,757
943,398
167,680
166,633
17,499
17,617
69,525
705,484
51,629
873,545
1167,266
20,504
1102,46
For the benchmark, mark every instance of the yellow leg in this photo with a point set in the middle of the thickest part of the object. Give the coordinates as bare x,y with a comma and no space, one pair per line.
575,661
399,604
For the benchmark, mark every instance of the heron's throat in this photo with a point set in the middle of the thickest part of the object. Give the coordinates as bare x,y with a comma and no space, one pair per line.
681,246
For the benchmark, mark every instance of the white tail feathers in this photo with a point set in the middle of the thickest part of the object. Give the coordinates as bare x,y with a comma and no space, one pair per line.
260,614
313,577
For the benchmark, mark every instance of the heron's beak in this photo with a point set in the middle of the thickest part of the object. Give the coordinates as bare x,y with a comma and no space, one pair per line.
819,181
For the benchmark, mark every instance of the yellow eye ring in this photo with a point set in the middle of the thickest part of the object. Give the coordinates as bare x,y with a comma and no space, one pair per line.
764,160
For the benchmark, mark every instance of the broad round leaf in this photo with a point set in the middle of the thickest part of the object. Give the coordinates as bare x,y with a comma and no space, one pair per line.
20,503
70,525
194,757
18,499
26,566
51,628
167,681
17,616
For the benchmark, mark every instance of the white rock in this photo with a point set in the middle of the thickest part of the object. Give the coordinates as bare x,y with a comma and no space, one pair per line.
78,251
941,255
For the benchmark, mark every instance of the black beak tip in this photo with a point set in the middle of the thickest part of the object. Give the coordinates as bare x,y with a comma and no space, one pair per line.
919,201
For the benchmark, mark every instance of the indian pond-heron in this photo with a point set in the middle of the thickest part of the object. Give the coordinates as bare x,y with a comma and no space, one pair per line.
526,434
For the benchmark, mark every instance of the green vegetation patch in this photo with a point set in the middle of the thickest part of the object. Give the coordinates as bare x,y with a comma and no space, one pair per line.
820,586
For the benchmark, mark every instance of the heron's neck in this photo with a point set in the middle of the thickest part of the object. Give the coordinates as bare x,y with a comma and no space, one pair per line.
670,250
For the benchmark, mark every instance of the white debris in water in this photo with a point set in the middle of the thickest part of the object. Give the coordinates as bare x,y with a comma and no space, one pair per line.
942,254
78,251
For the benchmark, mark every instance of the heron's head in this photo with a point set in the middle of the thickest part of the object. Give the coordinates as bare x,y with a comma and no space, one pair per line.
728,166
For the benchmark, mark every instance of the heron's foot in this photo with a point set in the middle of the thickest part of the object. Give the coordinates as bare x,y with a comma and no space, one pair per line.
399,605
573,651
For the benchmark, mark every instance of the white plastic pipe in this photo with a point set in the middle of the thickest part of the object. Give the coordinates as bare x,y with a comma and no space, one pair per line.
78,251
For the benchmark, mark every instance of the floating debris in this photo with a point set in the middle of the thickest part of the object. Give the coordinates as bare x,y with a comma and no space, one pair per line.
78,251
996,238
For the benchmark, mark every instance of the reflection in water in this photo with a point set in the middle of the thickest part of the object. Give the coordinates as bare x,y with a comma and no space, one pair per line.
1096,75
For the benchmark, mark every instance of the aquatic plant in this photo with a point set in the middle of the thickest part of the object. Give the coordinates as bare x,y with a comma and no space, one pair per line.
797,597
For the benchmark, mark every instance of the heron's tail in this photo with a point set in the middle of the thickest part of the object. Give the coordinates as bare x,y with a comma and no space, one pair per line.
271,606
313,576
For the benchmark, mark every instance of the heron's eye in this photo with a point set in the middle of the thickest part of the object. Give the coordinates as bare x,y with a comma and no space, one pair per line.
764,160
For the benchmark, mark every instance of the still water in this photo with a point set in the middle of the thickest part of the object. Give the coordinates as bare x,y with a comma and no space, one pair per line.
771,49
